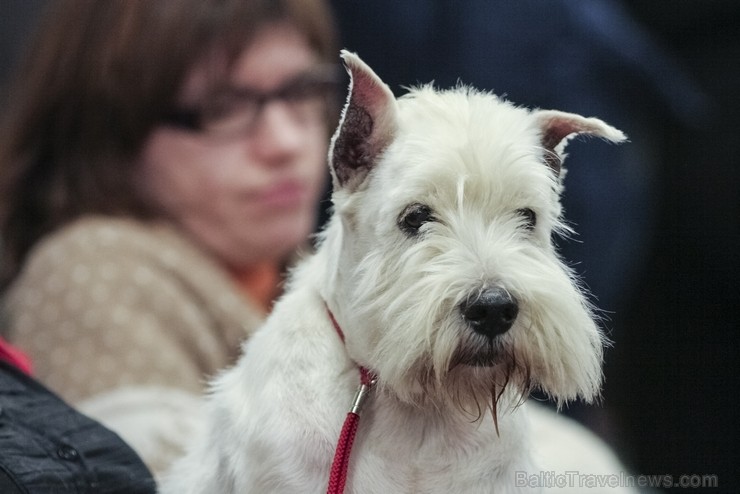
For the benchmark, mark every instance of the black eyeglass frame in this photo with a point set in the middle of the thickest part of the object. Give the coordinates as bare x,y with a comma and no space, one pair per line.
323,81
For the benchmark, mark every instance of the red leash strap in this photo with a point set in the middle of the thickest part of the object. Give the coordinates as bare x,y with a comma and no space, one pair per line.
338,474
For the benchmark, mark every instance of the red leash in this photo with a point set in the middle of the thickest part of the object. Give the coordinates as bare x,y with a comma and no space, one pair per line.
338,474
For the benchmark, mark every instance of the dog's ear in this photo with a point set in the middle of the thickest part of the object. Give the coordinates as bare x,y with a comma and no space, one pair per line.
559,127
367,126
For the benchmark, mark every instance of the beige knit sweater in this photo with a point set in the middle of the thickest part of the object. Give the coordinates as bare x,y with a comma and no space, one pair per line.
127,321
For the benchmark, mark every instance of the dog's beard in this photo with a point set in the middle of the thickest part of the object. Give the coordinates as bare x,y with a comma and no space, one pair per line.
499,355
492,377
461,370
479,351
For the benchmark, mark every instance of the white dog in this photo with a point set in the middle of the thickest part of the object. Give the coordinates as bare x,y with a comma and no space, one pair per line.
435,280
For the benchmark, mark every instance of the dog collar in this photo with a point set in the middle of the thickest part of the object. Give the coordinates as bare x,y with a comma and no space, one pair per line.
338,473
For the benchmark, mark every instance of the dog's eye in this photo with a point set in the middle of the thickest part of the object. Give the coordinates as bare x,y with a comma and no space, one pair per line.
529,217
413,217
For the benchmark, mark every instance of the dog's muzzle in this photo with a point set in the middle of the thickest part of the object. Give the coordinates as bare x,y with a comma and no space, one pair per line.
490,312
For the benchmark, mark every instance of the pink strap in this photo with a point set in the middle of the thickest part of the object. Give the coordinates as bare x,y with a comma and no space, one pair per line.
14,356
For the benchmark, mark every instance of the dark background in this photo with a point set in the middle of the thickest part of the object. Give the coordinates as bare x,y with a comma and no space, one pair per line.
676,382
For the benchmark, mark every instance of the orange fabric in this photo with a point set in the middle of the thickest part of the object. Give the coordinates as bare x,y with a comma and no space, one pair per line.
260,283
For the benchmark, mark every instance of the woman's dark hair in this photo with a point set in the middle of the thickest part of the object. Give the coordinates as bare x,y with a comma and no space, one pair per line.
100,75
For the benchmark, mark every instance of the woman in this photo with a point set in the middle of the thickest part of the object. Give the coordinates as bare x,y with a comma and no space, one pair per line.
160,162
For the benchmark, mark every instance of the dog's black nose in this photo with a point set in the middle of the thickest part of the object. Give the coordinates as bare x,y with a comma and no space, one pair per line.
490,312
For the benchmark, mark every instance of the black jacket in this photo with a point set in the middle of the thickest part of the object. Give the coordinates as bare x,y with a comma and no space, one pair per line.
48,447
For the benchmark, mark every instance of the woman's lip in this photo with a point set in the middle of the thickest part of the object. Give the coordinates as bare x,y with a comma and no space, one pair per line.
283,195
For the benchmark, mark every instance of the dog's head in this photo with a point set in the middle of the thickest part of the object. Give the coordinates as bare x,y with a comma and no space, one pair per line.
446,280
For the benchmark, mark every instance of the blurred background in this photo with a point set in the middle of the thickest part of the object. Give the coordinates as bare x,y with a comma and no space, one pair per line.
658,219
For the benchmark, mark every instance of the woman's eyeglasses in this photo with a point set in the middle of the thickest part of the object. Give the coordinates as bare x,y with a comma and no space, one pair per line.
235,111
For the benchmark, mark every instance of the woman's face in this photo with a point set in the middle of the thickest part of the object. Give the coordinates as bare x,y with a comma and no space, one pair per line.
241,170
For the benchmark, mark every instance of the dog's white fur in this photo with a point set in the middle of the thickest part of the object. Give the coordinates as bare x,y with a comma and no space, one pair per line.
478,163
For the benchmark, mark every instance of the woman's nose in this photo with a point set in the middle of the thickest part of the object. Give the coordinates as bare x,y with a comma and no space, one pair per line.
277,135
